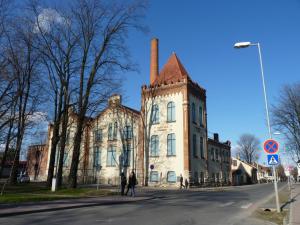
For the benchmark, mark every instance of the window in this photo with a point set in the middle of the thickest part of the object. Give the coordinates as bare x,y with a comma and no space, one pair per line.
234,162
196,179
213,177
127,155
217,177
115,130
97,157
68,138
128,132
212,154
98,135
193,113
155,114
201,177
65,163
217,155
201,148
171,177
154,176
201,115
171,146
111,156
171,112
194,145
154,145
110,132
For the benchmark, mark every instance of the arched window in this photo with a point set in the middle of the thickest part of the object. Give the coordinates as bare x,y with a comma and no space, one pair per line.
171,146
110,132
115,130
97,157
154,145
171,112
155,114
111,156
201,148
201,115
193,113
127,132
195,145
171,177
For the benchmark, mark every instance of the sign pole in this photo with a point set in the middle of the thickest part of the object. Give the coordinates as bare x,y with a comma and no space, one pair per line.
276,189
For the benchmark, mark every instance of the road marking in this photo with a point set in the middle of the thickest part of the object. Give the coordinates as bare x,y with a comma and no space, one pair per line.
246,206
226,204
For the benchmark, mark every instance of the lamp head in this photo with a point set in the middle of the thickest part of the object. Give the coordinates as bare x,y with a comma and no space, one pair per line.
242,44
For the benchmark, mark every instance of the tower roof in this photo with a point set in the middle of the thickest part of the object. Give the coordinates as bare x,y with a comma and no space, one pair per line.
172,71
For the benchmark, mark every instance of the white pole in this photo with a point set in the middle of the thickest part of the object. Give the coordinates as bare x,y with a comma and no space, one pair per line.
269,126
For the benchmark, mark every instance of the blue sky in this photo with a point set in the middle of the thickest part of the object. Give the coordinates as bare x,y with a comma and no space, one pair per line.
203,33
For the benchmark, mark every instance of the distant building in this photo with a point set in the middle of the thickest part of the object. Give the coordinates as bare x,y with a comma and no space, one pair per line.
37,157
242,172
219,160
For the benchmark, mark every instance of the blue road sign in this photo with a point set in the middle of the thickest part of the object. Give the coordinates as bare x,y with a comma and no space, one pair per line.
273,159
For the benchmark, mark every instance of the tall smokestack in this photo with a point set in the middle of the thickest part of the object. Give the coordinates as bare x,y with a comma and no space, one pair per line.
154,60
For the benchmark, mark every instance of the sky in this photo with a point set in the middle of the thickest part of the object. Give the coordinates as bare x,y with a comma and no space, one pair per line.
202,33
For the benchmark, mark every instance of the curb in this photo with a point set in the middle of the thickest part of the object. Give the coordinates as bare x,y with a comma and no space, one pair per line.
83,205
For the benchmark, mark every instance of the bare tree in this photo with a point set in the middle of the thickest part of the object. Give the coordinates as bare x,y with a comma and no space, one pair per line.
248,146
102,29
23,61
57,43
286,118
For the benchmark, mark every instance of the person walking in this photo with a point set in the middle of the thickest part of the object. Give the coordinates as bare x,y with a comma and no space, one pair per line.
186,183
181,181
131,184
123,183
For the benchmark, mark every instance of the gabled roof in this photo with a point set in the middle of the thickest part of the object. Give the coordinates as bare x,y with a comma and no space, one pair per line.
173,71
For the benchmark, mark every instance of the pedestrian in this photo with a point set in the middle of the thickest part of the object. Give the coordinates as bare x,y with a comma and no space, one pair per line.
186,183
181,181
123,183
131,184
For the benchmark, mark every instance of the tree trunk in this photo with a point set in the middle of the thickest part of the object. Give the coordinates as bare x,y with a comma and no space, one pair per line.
8,139
64,128
72,182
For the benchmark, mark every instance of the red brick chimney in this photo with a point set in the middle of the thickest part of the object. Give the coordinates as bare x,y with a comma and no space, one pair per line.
154,60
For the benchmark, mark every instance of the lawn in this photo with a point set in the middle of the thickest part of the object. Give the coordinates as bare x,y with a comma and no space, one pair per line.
34,192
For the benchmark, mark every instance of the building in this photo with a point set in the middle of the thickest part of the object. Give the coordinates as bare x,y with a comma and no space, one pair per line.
165,139
219,160
242,172
115,133
37,157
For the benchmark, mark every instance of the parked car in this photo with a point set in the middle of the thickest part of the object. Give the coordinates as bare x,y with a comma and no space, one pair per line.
23,178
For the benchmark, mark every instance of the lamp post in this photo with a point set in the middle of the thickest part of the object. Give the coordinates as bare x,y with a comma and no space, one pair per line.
245,45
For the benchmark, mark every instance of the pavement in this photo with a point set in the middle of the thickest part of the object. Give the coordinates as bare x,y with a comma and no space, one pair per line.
295,205
217,206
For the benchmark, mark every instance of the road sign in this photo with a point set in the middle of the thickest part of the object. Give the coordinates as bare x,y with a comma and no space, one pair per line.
273,159
271,146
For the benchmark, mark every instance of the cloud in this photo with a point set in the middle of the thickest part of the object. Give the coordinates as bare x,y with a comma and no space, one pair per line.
38,117
47,18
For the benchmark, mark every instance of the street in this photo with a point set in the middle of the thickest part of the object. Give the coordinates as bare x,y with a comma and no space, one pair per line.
178,207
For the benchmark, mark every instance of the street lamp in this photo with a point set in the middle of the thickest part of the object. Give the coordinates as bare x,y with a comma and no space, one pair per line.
245,45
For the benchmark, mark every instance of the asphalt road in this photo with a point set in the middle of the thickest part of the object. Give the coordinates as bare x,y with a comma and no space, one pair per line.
230,206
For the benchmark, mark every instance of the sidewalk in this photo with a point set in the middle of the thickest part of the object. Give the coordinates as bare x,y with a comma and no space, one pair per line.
45,206
295,206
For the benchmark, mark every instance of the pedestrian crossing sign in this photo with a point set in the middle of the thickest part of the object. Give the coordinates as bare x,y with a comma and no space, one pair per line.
273,159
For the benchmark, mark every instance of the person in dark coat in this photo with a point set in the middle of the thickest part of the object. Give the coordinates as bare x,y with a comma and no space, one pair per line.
131,184
181,181
186,183
123,183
